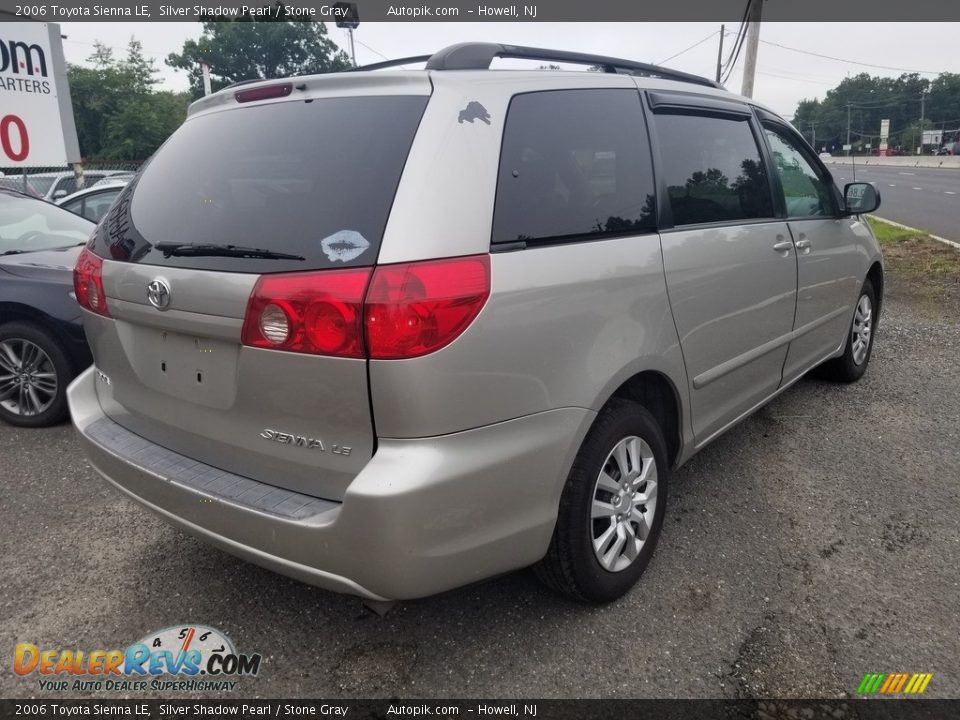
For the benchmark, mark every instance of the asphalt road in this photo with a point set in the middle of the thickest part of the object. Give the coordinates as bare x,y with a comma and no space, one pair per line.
924,198
817,541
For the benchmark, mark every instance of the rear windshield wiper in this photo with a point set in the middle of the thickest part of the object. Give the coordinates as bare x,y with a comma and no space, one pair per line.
14,252
210,250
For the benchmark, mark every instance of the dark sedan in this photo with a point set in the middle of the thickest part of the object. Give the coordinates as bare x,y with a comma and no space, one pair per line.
42,345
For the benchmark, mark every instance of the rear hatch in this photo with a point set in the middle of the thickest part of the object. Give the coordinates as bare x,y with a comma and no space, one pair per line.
305,184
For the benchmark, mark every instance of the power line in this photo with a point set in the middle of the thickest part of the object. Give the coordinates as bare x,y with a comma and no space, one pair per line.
850,62
699,42
796,79
738,43
375,52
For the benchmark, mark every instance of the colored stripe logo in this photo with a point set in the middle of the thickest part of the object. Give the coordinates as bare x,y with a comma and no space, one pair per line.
894,683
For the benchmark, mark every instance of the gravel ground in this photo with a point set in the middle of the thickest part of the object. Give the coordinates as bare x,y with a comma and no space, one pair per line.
817,541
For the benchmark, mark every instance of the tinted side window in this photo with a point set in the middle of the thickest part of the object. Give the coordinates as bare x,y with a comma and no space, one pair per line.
574,163
713,169
806,194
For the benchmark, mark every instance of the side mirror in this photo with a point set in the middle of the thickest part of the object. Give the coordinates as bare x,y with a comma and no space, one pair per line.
57,194
860,198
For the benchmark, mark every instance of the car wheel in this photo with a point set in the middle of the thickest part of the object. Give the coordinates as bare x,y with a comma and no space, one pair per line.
612,507
851,366
34,374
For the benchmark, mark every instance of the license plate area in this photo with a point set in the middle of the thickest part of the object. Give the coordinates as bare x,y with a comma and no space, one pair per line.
188,367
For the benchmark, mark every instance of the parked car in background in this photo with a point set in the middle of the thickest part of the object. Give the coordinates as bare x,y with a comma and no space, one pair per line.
56,185
124,177
94,202
42,345
479,340
17,184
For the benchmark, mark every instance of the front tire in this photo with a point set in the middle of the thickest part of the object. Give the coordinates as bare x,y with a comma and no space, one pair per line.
34,374
852,365
612,507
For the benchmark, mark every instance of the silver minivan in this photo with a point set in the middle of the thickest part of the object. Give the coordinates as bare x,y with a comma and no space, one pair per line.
396,332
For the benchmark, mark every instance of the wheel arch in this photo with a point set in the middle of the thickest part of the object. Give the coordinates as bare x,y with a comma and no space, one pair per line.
11,311
658,394
875,276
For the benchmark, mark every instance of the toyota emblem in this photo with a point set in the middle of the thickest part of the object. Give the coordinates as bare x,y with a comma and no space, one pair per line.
158,293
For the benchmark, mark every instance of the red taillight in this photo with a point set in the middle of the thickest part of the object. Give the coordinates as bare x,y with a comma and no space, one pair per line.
409,310
264,93
417,308
319,312
88,283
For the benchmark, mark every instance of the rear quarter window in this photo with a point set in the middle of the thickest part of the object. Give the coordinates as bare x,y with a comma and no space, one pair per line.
315,179
574,164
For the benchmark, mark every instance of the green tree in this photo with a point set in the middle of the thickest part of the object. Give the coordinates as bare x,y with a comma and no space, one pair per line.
247,49
118,113
872,99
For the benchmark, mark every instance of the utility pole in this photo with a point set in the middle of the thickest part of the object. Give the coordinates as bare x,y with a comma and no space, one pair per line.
723,29
923,100
813,130
753,44
353,52
848,125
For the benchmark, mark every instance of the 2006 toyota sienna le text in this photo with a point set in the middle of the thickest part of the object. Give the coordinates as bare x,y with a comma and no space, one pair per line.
400,331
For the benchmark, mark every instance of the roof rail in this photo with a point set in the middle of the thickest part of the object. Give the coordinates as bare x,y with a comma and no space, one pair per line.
391,63
479,55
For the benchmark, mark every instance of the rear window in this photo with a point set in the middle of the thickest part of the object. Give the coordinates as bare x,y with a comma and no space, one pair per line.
313,179
575,164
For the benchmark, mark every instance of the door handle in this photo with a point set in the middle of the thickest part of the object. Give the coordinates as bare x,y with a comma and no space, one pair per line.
803,244
783,246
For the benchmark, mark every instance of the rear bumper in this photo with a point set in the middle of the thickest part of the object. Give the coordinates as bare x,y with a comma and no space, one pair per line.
423,516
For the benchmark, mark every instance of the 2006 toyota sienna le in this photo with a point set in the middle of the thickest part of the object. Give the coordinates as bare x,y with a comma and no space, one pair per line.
400,331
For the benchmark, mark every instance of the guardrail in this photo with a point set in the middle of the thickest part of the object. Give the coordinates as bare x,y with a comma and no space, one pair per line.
918,161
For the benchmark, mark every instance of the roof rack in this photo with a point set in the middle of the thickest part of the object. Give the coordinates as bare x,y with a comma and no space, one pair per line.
478,56
391,63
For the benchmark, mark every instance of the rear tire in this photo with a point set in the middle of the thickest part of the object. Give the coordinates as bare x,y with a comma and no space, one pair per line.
41,400
597,553
852,365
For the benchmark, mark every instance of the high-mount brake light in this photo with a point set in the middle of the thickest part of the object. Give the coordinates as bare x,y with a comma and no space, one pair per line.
267,92
88,283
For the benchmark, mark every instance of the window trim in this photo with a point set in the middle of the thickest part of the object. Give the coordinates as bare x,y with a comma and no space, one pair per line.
664,207
576,238
807,154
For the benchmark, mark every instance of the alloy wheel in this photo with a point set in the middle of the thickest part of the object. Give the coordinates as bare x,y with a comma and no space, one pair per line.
624,502
28,378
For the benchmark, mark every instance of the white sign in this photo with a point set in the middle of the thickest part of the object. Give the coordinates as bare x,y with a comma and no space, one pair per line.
36,116
884,130
847,147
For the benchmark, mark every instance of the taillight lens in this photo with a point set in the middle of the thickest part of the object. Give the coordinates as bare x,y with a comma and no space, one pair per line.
88,283
318,313
409,310
416,308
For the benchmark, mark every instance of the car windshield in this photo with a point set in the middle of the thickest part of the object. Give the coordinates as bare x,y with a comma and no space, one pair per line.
28,225
41,184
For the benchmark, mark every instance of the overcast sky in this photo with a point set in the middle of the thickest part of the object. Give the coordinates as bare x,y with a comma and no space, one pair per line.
784,76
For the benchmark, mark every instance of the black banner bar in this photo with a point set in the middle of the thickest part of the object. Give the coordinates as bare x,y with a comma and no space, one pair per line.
891,709
477,11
